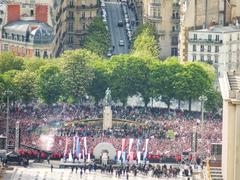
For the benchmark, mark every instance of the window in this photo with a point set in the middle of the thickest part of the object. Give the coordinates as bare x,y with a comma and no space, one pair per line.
45,54
202,48
216,48
37,52
209,37
230,38
216,58
195,36
194,57
194,47
70,39
217,38
174,40
202,57
209,48
70,27
174,52
32,12
209,57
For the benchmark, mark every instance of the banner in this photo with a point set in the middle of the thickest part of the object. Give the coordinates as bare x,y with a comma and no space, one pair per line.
66,147
119,153
123,145
74,144
83,154
146,145
78,149
85,144
146,149
70,157
130,145
131,154
79,156
89,158
124,156
139,141
139,156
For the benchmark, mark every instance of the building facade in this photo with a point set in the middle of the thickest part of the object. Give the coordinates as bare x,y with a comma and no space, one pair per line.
79,15
201,14
44,28
230,88
218,45
164,15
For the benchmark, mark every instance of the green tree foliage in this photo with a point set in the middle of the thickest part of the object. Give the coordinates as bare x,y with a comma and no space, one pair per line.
97,39
9,61
77,73
129,77
24,82
214,102
100,81
146,43
164,79
34,64
49,83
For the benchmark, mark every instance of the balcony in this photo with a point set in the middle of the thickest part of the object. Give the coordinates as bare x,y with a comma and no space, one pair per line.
69,18
160,32
70,6
155,4
86,7
175,19
206,41
155,18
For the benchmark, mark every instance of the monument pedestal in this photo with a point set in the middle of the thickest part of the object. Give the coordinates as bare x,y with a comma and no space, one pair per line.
107,117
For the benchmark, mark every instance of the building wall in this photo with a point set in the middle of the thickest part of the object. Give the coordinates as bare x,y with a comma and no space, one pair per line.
41,13
231,140
164,15
226,57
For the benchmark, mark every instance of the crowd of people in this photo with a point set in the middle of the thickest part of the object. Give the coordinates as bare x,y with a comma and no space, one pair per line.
152,123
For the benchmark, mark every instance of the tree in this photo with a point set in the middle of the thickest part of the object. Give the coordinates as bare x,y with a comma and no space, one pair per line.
100,81
214,102
146,43
192,82
49,83
77,73
34,64
24,82
164,80
129,77
97,39
8,61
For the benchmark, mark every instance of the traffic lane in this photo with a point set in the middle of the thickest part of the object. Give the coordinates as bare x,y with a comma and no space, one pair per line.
117,33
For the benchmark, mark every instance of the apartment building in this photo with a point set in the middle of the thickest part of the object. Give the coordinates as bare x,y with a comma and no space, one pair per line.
44,28
164,15
218,45
79,16
201,14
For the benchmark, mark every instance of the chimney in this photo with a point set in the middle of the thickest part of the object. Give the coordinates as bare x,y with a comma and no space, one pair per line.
13,12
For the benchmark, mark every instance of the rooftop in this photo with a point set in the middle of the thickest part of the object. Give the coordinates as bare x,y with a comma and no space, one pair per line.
220,29
230,85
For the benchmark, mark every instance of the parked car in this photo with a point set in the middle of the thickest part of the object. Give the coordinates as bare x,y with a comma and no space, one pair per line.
120,23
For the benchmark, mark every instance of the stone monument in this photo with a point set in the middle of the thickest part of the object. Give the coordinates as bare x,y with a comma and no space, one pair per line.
107,112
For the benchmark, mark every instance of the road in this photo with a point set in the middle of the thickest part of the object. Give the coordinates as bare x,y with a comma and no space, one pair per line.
114,14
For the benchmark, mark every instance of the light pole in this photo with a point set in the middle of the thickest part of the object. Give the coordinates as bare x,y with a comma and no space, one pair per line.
7,93
203,99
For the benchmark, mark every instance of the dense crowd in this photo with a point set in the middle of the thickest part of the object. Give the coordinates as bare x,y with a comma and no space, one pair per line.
154,123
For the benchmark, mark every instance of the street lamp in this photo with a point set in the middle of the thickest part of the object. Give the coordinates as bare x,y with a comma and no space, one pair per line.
7,93
203,99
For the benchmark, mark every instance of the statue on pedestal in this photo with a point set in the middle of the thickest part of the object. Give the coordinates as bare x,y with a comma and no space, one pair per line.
108,97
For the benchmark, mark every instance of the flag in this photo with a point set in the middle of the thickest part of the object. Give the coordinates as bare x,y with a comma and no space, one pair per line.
139,141
78,150
85,145
66,147
123,145
119,155
139,156
130,145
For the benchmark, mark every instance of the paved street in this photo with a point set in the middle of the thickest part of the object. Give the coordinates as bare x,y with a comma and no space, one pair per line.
66,174
114,14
